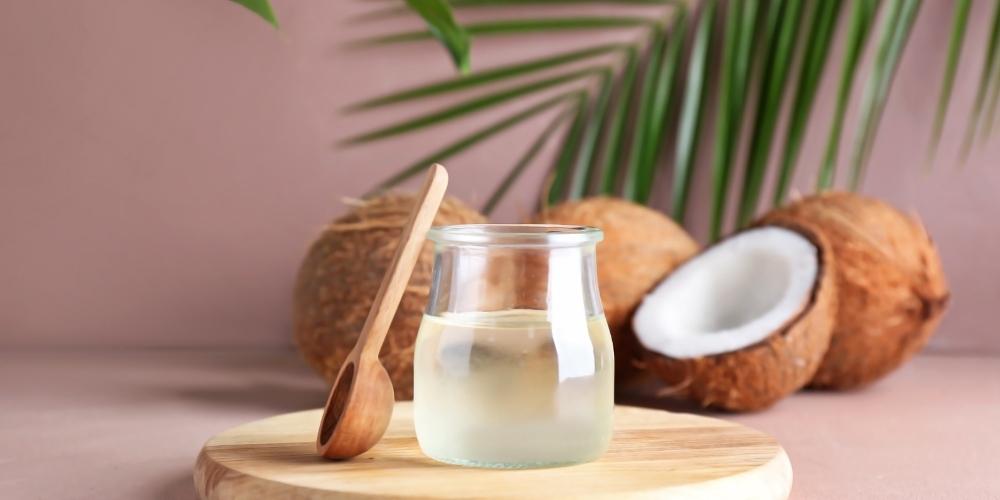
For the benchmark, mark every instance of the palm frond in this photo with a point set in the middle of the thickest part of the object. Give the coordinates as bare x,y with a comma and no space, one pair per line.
991,105
859,28
625,109
631,190
899,18
442,25
523,163
739,44
782,25
820,30
491,3
987,129
690,119
463,4
469,141
581,173
664,89
959,22
984,82
491,76
617,124
471,106
568,153
262,8
517,26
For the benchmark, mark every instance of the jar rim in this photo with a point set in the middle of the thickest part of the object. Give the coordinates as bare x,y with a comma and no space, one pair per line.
519,235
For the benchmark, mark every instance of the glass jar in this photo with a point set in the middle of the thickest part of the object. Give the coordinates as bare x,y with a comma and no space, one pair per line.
513,364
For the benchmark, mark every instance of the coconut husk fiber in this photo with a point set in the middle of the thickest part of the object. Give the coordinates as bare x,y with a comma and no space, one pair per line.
341,275
892,290
641,246
758,376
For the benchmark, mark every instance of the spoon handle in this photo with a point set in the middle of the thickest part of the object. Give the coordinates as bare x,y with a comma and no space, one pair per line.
411,241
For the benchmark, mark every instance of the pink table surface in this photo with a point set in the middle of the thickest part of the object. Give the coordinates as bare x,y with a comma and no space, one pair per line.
128,424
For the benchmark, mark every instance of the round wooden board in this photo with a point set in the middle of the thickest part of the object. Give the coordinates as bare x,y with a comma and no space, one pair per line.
654,454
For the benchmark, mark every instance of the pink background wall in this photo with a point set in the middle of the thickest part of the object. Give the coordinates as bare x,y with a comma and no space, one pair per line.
164,165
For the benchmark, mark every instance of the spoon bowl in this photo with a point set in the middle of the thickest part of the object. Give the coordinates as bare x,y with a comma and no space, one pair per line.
358,412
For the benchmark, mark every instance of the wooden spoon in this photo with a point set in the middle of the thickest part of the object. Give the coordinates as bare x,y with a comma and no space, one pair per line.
361,401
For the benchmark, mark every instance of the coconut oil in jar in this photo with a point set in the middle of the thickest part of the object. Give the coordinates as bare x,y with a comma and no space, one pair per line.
517,387
490,391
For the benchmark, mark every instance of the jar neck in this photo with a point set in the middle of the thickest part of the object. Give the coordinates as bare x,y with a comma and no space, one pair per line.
516,235
483,277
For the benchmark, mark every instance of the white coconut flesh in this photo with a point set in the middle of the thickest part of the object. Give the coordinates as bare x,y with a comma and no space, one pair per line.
733,295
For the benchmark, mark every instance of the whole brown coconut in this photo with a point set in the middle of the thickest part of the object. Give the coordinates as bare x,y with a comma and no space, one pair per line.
892,291
641,246
341,275
758,376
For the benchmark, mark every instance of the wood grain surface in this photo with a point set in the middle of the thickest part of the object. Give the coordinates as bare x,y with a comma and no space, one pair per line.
654,454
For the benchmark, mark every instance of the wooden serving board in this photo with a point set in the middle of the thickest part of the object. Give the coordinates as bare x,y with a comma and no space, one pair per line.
654,454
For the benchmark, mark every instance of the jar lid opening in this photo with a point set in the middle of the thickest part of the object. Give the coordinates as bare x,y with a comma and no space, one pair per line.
529,235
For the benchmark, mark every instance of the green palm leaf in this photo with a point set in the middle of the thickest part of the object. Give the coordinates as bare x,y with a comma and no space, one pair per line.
782,25
515,26
984,81
616,127
724,142
581,177
664,85
994,93
739,47
961,19
469,141
442,25
862,20
471,106
991,106
483,3
461,4
690,119
491,76
262,8
631,188
748,46
618,122
820,30
568,152
523,163
896,28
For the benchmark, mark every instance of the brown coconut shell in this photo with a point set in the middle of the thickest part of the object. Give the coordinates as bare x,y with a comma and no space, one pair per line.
758,376
641,246
341,275
891,286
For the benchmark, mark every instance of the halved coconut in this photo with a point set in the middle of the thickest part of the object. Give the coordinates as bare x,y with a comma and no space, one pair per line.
891,286
744,323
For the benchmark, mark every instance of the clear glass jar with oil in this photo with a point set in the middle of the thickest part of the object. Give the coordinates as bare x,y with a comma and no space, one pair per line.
513,365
